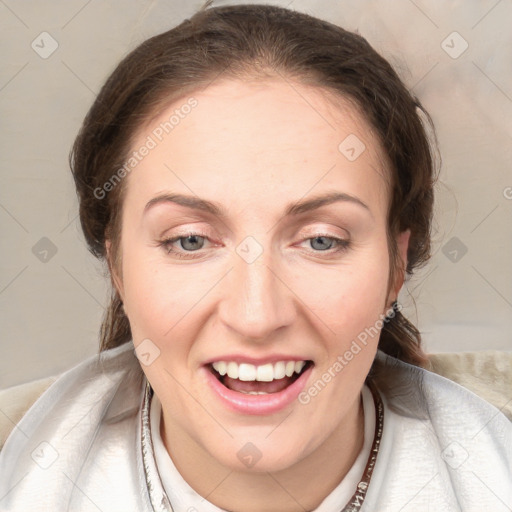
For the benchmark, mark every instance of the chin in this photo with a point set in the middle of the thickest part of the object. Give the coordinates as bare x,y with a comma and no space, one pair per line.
262,453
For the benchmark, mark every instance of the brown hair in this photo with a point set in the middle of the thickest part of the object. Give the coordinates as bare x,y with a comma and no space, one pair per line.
243,41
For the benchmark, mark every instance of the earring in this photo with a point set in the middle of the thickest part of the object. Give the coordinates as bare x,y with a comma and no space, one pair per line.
391,311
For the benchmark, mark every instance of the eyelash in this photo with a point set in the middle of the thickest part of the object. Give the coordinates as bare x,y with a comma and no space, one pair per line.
343,245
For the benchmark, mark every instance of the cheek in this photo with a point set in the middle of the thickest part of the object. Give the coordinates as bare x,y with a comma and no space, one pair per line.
153,295
156,301
166,302
351,296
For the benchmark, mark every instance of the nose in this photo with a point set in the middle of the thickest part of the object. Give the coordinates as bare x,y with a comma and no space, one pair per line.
257,300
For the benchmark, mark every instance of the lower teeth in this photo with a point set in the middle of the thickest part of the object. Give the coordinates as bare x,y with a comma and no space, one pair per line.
253,392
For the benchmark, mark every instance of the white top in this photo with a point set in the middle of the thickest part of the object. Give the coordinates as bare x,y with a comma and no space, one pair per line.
80,446
184,499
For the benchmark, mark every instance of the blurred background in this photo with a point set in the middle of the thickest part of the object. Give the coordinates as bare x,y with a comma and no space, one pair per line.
456,56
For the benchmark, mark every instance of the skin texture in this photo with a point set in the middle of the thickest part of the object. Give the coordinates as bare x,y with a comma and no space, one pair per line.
253,148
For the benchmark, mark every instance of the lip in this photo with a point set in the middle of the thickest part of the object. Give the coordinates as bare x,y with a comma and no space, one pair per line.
257,404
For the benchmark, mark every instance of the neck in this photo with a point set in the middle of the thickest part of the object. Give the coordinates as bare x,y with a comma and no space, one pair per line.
300,487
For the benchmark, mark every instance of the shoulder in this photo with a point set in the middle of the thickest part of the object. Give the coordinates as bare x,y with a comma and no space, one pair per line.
88,414
17,400
35,399
418,393
487,373
452,386
443,446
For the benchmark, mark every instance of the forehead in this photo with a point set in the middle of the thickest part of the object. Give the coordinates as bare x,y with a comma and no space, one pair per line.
273,137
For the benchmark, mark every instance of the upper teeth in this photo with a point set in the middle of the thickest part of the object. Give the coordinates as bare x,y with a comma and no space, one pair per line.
264,373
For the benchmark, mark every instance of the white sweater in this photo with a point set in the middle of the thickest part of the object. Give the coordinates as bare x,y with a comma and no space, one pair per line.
79,447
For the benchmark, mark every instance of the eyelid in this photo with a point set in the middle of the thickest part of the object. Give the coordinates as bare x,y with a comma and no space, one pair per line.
324,235
319,231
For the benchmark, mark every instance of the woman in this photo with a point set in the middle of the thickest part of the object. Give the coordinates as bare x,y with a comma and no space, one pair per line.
259,182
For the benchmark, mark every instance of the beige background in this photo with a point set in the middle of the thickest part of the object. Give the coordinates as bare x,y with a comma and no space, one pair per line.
50,310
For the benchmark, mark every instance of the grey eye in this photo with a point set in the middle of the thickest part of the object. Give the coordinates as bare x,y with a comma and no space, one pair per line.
192,242
325,242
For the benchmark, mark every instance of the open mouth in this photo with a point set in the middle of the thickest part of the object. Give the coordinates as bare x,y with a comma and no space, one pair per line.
258,380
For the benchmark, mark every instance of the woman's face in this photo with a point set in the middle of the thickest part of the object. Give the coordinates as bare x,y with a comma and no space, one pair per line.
254,240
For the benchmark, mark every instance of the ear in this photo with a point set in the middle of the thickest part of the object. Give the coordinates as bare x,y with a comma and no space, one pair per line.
117,282
402,242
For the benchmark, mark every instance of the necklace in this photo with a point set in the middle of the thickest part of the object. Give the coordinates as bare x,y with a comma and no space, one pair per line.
158,497
355,503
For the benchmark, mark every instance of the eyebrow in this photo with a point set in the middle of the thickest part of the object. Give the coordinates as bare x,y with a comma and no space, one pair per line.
292,209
